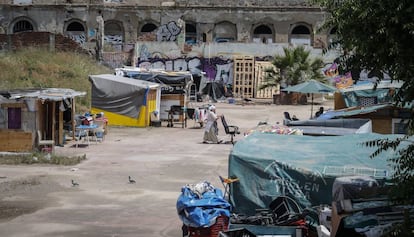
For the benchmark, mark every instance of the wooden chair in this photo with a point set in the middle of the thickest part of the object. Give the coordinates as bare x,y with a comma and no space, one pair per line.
44,143
230,129
177,110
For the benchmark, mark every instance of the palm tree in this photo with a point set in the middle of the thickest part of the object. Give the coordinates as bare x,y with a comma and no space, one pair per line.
294,67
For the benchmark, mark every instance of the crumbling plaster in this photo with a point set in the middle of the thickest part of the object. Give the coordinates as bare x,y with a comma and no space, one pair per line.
280,15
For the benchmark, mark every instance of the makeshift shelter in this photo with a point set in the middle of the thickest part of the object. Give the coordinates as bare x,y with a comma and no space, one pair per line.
28,116
331,126
175,86
301,167
386,118
366,93
124,101
215,90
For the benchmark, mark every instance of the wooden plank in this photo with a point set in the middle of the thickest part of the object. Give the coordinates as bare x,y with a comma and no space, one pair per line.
13,105
243,83
260,79
15,141
60,130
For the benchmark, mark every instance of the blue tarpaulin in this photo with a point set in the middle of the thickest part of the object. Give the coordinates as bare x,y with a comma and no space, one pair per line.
200,209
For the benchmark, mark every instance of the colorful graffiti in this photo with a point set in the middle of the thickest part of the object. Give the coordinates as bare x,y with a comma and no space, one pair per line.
78,38
216,69
168,32
113,39
343,81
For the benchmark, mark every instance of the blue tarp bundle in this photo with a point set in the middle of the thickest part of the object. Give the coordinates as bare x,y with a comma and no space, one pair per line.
197,209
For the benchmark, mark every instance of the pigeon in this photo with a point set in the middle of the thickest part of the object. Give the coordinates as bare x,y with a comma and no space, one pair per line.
131,181
74,183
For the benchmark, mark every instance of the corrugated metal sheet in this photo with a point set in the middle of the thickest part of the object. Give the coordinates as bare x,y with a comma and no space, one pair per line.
53,94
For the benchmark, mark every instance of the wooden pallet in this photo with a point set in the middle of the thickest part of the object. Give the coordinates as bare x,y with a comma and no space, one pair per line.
260,79
243,83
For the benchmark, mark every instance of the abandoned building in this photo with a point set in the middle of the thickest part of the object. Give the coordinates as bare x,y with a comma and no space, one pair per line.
128,21
227,40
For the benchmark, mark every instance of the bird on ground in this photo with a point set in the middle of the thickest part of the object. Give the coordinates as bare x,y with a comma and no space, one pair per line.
74,183
131,181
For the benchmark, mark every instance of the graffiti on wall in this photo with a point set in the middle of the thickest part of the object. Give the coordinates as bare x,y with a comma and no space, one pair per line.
168,32
78,38
216,69
113,39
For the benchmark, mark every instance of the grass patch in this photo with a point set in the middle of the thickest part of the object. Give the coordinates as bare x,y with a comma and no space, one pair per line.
39,158
41,68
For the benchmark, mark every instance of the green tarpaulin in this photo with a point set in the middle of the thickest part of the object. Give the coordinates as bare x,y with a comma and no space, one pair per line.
302,167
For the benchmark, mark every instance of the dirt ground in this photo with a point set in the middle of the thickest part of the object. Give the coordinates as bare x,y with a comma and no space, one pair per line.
39,200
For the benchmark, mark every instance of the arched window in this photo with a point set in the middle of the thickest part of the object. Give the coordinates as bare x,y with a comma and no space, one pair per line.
225,32
76,31
22,26
75,26
262,34
300,34
190,34
149,27
113,33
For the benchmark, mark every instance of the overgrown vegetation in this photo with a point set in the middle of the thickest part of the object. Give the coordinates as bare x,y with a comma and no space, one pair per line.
377,35
40,68
294,67
39,158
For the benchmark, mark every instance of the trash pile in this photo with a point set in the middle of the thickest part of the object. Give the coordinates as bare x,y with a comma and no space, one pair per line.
203,210
275,129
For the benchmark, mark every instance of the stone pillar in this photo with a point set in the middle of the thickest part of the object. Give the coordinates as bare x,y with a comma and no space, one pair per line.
52,42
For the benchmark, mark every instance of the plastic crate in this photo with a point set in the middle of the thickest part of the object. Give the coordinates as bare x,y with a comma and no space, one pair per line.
222,224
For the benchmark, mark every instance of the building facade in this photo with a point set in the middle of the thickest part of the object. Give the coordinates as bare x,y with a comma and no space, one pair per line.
180,35
128,21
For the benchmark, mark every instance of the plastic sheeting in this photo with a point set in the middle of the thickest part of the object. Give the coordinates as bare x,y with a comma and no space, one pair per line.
354,187
351,98
172,82
332,126
119,95
301,167
201,208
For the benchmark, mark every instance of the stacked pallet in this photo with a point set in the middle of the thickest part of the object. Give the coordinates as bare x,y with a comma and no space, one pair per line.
243,83
260,79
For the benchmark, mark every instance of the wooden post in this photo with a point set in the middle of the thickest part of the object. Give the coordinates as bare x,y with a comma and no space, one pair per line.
53,121
60,131
73,119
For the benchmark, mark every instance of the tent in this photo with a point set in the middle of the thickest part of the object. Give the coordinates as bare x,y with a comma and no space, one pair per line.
124,101
214,89
301,167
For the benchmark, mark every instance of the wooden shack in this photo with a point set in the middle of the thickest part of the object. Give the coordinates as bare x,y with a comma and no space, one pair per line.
366,101
30,115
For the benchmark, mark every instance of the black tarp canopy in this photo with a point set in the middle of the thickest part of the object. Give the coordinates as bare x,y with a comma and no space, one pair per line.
172,82
118,94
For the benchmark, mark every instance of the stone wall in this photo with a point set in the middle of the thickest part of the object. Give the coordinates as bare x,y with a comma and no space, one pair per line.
168,3
39,39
